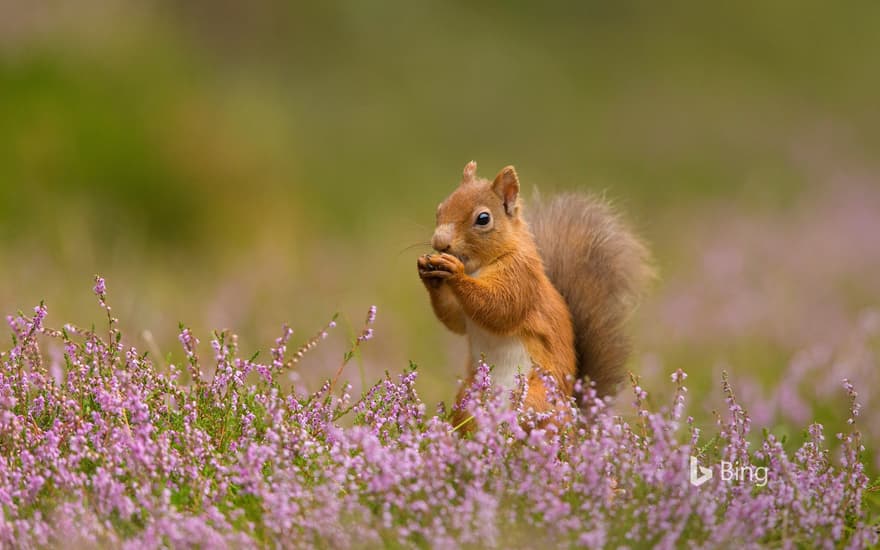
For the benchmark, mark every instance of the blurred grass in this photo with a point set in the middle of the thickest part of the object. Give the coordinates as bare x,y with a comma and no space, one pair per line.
243,165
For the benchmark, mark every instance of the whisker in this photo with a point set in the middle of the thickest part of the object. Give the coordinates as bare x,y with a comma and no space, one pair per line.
416,245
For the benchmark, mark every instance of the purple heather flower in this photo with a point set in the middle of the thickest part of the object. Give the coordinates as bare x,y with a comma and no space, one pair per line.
100,287
144,459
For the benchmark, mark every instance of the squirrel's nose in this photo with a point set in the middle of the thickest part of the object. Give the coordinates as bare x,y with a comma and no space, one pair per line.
440,245
441,241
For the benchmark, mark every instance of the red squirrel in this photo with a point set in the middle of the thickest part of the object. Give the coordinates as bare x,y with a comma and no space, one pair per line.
552,289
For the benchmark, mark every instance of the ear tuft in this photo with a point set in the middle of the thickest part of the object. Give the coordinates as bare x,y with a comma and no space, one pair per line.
470,172
506,186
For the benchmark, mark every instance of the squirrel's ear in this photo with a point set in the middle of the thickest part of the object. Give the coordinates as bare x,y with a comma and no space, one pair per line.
470,172
506,186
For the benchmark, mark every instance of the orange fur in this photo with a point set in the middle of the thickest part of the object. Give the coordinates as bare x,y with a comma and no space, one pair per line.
496,279
601,268
556,299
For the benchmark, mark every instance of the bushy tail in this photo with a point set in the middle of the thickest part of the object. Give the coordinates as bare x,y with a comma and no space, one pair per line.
601,269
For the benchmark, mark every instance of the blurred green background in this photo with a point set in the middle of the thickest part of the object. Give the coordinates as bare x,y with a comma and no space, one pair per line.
246,164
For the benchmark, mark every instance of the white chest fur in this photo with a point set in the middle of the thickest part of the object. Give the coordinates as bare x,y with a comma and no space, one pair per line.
506,353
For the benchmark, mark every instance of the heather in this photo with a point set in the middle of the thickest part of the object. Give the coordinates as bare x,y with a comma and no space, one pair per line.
787,302
103,446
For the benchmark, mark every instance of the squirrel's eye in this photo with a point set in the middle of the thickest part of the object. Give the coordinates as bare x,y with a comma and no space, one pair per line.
483,218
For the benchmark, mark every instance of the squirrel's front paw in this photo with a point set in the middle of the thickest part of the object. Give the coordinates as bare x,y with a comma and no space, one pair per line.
428,272
436,268
448,263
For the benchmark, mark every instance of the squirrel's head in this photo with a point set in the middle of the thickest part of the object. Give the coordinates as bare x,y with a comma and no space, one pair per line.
480,221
